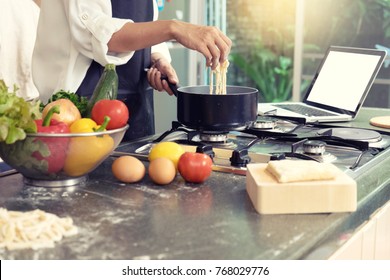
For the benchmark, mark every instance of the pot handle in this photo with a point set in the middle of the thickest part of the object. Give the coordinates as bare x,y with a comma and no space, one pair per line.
173,87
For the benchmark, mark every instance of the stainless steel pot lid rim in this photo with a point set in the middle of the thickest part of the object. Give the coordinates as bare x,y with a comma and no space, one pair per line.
206,90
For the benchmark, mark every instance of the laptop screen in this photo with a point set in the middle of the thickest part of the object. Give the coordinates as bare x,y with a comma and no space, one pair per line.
345,77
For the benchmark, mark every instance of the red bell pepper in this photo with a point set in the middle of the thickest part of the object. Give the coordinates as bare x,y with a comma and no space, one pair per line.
57,146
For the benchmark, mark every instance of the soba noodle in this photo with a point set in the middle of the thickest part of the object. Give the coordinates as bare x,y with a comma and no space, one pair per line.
34,229
220,78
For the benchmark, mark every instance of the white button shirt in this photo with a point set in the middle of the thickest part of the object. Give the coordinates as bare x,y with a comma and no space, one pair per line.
18,26
72,33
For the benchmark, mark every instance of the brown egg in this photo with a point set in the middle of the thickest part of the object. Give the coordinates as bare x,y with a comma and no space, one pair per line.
162,171
128,169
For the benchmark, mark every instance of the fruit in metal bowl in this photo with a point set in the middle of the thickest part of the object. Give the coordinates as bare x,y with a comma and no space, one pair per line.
84,152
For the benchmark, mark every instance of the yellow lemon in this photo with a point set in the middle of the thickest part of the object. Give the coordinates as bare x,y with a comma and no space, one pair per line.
170,150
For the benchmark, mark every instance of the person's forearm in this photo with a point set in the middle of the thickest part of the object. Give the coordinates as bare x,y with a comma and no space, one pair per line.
208,40
136,36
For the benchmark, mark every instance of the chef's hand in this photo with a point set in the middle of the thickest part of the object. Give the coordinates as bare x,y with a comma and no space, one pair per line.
161,67
208,40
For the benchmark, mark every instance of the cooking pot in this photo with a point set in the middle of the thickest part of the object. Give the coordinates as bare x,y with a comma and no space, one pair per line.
200,110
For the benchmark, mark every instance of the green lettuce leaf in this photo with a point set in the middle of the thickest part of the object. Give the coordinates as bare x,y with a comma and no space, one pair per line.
17,116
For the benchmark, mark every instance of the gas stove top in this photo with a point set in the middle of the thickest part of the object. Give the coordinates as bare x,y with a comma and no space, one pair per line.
350,149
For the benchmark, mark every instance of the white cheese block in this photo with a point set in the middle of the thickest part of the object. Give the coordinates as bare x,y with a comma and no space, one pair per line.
321,196
286,171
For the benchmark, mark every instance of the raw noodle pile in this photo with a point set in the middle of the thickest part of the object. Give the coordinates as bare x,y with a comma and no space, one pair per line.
34,229
220,78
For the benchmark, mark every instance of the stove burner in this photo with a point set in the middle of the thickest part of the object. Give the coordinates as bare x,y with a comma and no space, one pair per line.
314,147
217,140
316,150
213,138
232,151
264,123
325,157
356,134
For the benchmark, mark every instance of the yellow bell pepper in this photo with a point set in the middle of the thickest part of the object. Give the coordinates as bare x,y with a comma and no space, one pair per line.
83,125
86,153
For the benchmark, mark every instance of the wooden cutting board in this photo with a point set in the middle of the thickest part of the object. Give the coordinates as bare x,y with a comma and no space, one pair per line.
268,196
382,121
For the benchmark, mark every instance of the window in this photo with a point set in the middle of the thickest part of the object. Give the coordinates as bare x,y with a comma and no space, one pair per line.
278,44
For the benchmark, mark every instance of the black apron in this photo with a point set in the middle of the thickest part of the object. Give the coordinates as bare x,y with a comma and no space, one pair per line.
134,88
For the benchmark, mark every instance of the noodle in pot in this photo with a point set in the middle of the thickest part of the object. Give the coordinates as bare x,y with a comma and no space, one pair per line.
220,78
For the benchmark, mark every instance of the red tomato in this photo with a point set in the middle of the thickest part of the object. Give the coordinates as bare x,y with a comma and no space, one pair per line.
194,167
115,109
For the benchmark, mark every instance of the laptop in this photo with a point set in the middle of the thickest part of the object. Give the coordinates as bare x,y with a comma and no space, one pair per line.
338,89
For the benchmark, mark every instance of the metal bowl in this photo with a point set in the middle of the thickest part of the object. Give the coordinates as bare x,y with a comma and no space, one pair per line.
60,160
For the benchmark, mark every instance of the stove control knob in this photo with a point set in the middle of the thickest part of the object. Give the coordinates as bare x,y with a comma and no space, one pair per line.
314,147
278,156
240,158
206,149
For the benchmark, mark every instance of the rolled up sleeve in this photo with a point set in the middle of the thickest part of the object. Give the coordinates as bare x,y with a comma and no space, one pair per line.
92,26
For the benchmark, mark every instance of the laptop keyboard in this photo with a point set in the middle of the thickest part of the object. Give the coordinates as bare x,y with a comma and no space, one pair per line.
305,110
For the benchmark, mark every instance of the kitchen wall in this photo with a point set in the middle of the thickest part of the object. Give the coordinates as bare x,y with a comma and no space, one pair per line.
164,104
184,61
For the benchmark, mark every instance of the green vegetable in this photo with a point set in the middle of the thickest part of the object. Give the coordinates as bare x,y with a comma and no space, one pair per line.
20,155
106,88
16,115
81,102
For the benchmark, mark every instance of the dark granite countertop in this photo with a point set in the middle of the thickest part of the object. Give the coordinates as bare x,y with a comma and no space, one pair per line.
214,220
